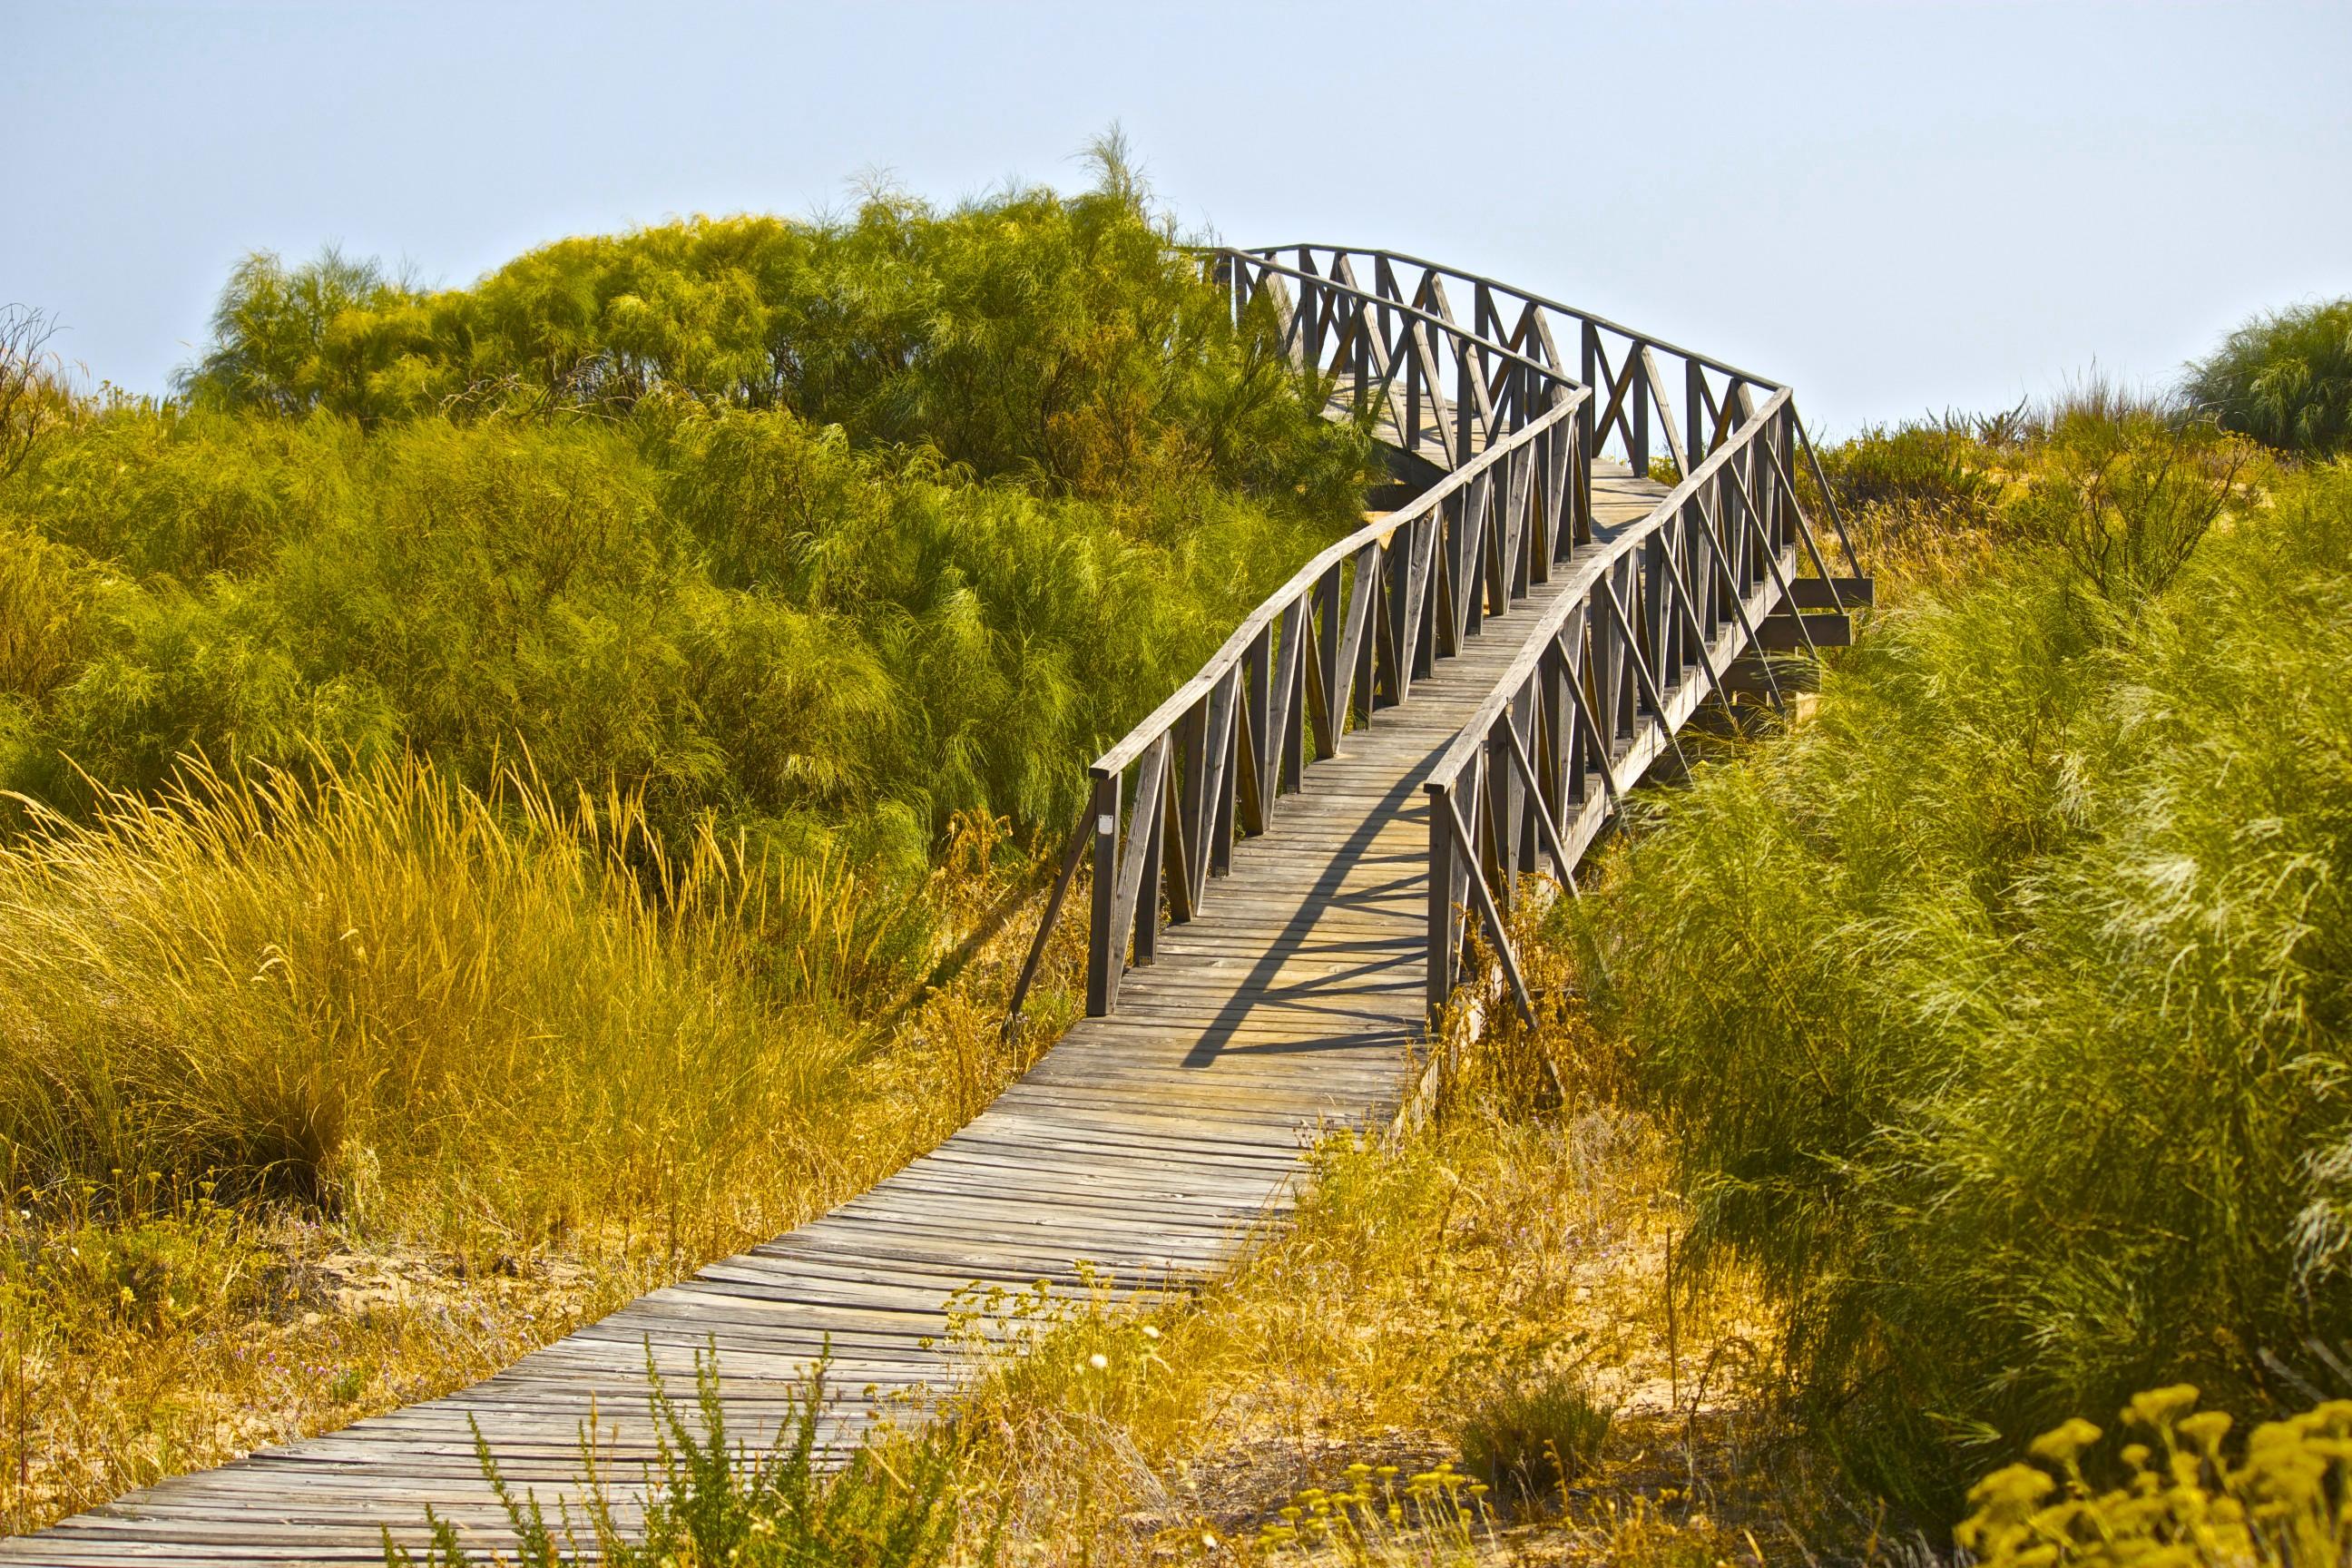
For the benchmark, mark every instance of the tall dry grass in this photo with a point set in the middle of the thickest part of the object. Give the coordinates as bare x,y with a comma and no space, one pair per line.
323,1093
1493,1289
418,1007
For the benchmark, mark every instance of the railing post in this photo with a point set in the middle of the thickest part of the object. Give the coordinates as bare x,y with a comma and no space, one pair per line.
1258,699
1784,447
1106,947
1329,649
1695,431
1409,347
1552,722
1591,360
1637,365
1155,851
1225,772
1444,946
1586,439
1193,807
1466,400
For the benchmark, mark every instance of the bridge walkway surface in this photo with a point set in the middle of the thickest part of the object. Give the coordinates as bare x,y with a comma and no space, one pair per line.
1147,1144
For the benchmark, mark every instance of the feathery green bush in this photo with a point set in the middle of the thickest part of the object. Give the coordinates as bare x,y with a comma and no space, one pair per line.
831,531
2004,1007
2285,378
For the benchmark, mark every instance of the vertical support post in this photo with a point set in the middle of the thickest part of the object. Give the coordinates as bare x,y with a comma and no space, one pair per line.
1106,948
1555,761
1587,437
1289,752
1258,692
1193,807
1592,437
1331,649
1150,817
1637,404
1444,945
1224,787
1466,401
1694,428
1408,348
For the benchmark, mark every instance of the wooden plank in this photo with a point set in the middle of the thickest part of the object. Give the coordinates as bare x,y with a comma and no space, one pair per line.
1814,593
1783,633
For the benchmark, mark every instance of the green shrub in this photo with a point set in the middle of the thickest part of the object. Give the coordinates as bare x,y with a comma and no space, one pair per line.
726,611
1533,1438
2003,1008
704,1502
1938,465
2285,378
828,532
2126,496
1060,340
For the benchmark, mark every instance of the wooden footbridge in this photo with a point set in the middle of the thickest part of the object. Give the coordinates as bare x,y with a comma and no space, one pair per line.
1285,858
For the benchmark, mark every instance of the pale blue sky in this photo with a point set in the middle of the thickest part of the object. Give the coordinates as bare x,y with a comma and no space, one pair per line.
1893,207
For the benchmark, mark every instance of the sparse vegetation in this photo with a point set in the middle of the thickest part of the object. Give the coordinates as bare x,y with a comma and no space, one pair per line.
1533,1438
772,1505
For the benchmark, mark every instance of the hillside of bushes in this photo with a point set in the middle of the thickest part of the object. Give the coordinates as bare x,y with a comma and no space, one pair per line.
823,529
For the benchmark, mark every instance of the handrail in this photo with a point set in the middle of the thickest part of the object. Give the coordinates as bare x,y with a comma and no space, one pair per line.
1382,345
1345,636
1412,312
1638,637
1584,575
1543,302
1351,630
1129,746
1632,390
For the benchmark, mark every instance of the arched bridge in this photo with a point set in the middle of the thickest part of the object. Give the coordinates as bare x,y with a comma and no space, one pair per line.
1287,858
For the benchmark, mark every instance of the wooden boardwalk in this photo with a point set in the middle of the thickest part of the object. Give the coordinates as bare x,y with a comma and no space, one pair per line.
1147,1144
1285,989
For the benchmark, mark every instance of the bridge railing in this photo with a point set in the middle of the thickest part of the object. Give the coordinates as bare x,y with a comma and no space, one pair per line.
1352,630
1444,392
1621,658
1651,397
1618,663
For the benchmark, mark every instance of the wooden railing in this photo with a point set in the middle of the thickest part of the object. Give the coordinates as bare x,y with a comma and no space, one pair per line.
1640,637
1444,392
1351,630
1650,396
1616,665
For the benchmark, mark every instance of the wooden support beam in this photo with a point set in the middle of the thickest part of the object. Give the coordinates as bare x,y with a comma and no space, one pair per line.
1787,632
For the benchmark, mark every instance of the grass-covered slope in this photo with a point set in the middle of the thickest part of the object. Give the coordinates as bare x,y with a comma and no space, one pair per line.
2002,1010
